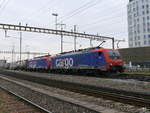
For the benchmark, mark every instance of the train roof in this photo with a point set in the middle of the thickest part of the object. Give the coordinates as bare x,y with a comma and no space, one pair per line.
79,51
42,56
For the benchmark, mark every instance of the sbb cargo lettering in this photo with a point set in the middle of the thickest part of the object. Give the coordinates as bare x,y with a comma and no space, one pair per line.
67,62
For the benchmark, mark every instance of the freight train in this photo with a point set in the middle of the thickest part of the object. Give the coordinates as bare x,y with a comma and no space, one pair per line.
91,60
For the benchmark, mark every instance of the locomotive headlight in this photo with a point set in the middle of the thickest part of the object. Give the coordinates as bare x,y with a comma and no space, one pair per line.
111,64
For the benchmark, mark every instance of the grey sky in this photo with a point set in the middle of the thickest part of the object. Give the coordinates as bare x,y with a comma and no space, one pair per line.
105,17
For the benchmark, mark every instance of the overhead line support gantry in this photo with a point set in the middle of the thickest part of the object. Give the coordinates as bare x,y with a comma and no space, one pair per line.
55,32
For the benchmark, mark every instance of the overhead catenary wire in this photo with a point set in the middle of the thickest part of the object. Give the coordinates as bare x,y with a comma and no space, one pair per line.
4,5
75,10
39,10
105,20
80,9
1,3
102,19
83,9
114,15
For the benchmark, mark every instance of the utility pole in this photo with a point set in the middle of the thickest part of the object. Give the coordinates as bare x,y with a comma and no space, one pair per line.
113,43
91,45
56,15
20,45
27,51
13,50
6,34
61,25
75,38
118,41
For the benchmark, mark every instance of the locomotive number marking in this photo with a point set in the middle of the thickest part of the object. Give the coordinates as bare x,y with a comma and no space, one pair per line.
66,62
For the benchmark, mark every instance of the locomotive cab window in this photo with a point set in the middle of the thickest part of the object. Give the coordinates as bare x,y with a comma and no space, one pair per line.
114,54
99,53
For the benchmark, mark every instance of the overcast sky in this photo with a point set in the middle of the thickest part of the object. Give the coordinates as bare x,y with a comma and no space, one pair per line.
105,17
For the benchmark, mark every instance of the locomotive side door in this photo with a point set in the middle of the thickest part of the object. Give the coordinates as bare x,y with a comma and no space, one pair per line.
102,61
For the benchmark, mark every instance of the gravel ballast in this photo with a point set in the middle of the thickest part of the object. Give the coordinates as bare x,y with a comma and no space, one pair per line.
105,106
11,104
126,85
52,101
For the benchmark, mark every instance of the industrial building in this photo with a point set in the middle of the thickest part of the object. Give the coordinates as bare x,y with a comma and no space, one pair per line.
138,56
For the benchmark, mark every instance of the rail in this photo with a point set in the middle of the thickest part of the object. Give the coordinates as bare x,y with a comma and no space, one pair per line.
137,99
26,100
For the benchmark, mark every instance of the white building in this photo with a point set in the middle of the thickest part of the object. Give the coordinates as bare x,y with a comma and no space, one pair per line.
139,23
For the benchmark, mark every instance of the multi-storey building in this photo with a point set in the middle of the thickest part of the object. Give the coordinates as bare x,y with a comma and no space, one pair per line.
139,23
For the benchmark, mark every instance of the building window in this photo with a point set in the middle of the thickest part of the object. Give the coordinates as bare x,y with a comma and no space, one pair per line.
147,6
148,29
138,37
143,6
137,8
134,14
143,19
143,12
144,36
147,17
131,39
135,32
137,13
149,36
139,43
135,43
147,12
144,24
135,37
148,24
149,41
145,42
144,30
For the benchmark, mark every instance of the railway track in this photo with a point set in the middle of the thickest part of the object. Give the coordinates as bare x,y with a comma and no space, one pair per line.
139,77
19,103
137,99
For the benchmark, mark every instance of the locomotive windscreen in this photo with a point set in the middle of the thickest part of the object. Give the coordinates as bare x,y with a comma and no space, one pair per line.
114,54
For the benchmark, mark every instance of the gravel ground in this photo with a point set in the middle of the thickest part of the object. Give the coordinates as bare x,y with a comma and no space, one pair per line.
127,85
11,104
107,104
45,98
